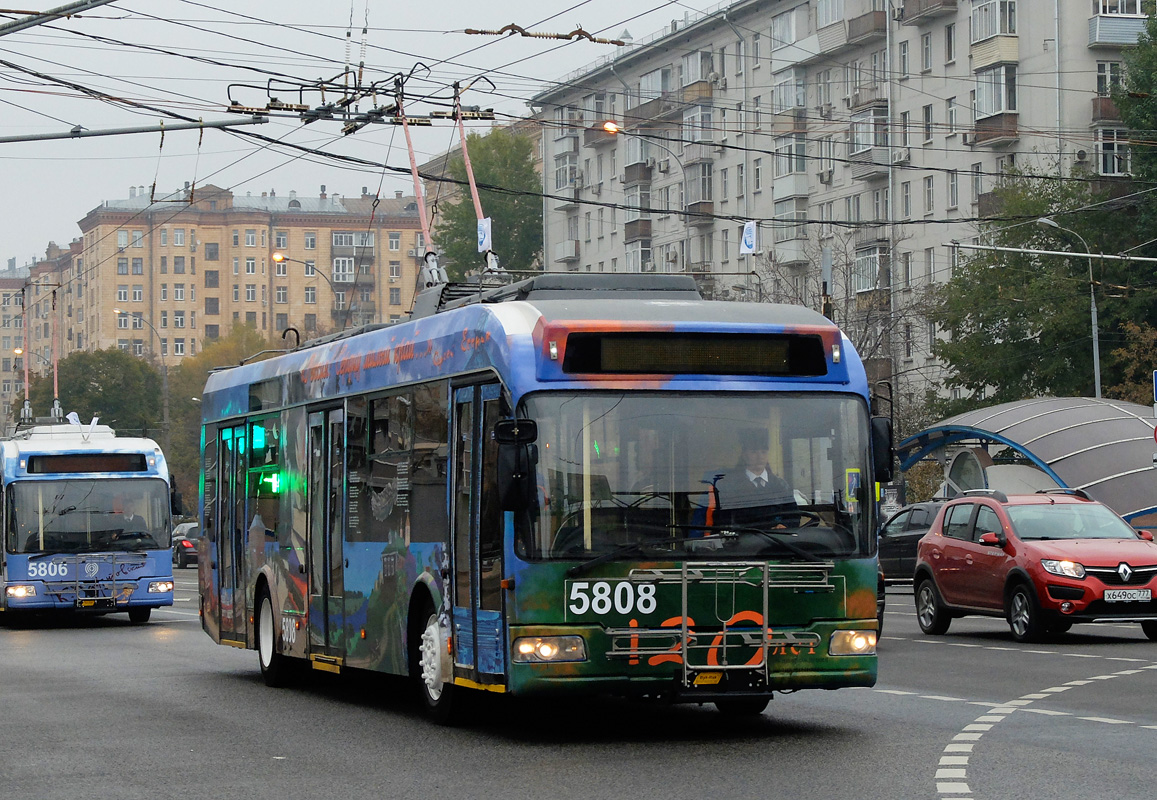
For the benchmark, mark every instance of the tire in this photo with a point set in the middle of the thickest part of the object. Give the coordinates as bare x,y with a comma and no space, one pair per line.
1060,626
181,563
742,706
933,617
437,693
139,615
274,666
1024,615
1150,629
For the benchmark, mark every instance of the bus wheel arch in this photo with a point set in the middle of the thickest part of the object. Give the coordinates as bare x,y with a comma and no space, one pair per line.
274,665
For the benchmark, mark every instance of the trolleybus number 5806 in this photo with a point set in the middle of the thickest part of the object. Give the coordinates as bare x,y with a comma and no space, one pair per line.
47,569
603,596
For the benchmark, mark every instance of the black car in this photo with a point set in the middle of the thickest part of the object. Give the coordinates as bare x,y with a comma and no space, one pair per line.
899,535
185,538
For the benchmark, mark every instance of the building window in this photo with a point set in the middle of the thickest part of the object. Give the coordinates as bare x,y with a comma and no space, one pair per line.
866,269
1113,151
926,52
310,240
953,188
395,297
122,266
123,293
905,64
281,294
251,266
178,347
977,182
1131,8
1109,74
138,266
178,265
927,123
343,270
212,279
212,251
212,308
757,175
250,293
395,269
929,197
281,240
994,18
138,293
178,237
122,239
251,237
950,114
236,292
829,12
995,90
395,241
212,331
790,219
164,237
790,155
950,43
178,291
178,319
310,269
906,199
311,294
164,319
280,268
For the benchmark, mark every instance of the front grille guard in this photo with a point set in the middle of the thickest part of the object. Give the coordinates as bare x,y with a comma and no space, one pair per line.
716,650
93,591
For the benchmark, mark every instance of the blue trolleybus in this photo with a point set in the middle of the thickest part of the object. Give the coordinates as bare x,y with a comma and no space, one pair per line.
86,523
566,485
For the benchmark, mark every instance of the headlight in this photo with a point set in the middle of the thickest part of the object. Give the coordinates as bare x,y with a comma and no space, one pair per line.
161,586
853,643
1070,569
20,591
549,649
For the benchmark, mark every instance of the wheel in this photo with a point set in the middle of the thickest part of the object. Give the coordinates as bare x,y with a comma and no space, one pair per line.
427,668
1150,629
139,615
934,619
1024,616
181,563
1060,626
742,706
274,666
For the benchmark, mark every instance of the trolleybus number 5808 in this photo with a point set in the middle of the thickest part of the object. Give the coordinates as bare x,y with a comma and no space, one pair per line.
601,597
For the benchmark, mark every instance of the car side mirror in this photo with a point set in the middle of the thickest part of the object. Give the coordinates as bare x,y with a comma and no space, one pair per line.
1146,535
993,539
882,451
517,458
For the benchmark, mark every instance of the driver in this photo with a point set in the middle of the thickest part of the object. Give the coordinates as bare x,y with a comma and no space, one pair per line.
751,493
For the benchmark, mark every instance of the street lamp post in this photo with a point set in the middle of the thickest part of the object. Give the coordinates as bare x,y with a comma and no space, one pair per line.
56,412
279,257
164,379
1046,222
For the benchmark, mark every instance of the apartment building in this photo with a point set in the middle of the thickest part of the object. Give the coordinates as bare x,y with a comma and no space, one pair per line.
860,135
186,268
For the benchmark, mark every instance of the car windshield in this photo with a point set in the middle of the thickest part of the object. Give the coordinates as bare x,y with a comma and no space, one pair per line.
1068,521
647,473
87,516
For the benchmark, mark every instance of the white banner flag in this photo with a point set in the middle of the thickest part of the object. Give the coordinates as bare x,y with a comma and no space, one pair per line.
750,234
484,242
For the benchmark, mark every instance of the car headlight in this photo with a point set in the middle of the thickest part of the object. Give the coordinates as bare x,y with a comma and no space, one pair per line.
20,591
161,586
852,643
549,649
1069,569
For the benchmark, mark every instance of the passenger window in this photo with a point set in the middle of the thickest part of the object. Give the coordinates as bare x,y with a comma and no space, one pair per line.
956,521
986,522
919,518
896,526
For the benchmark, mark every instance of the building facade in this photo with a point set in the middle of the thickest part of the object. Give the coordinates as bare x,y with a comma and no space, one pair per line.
860,135
162,277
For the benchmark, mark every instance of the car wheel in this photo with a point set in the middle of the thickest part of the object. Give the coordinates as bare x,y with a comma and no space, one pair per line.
274,666
1060,626
1024,615
436,689
742,706
139,615
1150,629
934,619
181,559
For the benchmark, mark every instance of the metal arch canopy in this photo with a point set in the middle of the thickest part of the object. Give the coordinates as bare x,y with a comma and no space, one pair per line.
1104,447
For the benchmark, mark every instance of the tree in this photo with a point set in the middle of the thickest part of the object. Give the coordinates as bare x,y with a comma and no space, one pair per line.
121,389
186,384
501,158
1136,98
1017,325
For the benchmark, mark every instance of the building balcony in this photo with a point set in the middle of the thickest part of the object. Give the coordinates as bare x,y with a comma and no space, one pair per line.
566,250
637,229
1000,49
364,255
1111,30
699,151
869,95
918,11
791,251
1105,110
871,163
699,92
637,173
993,131
566,142
664,105
701,213
566,198
596,137
830,40
870,235
866,27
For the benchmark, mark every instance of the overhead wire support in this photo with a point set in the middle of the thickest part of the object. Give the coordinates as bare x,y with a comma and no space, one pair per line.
44,17
575,35
79,132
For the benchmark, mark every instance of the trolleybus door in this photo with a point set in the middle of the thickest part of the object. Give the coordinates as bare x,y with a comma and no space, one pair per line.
231,540
326,521
479,632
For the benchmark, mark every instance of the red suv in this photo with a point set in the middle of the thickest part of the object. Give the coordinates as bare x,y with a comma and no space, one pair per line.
1041,561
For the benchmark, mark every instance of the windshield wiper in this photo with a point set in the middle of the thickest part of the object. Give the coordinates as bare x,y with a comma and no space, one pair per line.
637,546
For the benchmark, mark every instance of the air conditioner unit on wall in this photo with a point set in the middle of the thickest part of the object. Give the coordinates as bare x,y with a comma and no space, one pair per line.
825,175
665,165
825,110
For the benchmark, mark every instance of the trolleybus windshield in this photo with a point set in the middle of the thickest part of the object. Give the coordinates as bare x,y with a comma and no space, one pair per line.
777,475
87,516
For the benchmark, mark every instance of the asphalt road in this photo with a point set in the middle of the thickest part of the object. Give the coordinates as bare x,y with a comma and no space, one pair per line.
100,708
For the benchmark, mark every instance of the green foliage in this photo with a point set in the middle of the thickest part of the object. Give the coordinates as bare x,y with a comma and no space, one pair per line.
1018,325
1136,99
187,381
121,389
501,158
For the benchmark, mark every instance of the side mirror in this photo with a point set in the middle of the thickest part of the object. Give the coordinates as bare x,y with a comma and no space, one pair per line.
1146,535
993,539
517,458
882,452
